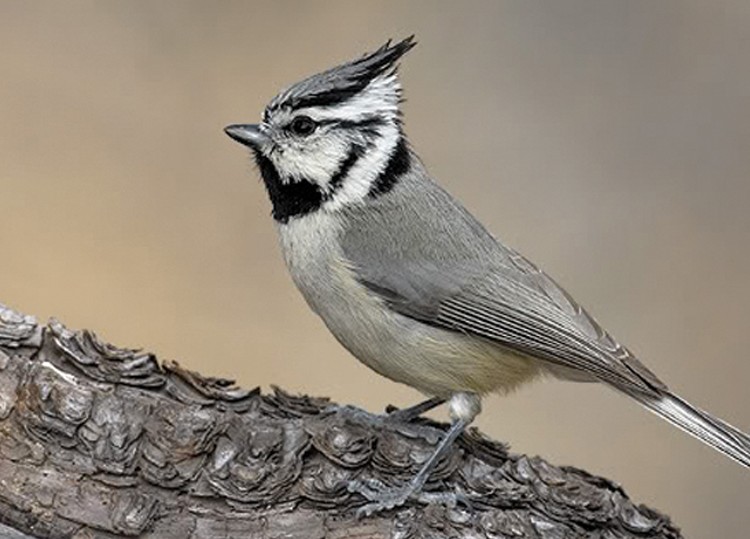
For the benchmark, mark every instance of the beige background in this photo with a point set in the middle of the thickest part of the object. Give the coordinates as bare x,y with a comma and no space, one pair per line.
607,140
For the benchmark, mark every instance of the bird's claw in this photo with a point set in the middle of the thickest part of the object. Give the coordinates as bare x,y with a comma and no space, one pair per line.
382,497
392,420
448,499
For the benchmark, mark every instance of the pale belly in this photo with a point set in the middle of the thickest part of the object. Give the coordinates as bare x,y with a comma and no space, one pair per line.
432,360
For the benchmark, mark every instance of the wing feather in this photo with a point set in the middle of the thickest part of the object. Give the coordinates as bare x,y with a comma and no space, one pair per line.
454,275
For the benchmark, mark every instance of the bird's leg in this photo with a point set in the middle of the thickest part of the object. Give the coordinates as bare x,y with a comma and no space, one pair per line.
412,412
464,407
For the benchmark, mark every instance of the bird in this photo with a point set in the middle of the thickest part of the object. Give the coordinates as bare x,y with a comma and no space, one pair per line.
410,282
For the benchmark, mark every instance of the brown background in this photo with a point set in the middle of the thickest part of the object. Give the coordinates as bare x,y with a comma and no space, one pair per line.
607,140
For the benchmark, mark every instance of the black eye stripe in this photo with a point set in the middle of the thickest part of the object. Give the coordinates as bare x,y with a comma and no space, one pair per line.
367,125
368,122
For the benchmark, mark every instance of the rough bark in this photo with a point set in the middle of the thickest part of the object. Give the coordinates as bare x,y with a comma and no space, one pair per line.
100,441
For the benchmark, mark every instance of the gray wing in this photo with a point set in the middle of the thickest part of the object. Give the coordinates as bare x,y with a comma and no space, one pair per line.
429,259
520,307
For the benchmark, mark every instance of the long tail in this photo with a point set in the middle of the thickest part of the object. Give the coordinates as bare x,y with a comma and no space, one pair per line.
709,429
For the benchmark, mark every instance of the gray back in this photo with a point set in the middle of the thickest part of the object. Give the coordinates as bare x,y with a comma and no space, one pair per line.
421,251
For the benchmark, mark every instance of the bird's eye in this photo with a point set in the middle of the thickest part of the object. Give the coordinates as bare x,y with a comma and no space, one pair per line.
302,126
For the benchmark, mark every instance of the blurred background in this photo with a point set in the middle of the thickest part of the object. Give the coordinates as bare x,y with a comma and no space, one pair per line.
609,141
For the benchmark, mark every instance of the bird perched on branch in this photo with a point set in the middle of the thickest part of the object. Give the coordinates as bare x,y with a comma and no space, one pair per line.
409,281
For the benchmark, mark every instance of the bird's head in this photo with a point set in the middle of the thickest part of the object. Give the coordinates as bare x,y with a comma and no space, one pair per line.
332,139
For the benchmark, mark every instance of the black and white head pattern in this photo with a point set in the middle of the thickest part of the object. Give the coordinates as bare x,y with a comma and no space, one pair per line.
335,138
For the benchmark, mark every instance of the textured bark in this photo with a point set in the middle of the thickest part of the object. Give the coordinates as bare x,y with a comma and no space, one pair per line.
99,441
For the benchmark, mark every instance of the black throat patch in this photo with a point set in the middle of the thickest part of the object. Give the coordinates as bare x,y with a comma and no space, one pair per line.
294,199
288,199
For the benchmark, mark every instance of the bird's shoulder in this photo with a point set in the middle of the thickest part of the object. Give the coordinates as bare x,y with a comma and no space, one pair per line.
419,243
416,245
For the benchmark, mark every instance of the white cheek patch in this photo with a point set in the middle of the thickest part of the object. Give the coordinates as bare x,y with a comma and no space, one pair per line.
316,163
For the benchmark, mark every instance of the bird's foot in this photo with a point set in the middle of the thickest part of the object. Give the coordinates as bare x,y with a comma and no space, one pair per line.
399,420
383,497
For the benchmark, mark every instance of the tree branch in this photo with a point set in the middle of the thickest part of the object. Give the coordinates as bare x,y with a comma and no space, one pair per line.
99,441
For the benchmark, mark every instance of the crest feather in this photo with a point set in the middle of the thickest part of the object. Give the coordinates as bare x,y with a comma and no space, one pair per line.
342,82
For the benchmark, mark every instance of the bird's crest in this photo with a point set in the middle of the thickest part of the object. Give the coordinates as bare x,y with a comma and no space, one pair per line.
372,76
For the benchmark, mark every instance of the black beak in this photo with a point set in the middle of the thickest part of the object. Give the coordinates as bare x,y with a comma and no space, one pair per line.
249,135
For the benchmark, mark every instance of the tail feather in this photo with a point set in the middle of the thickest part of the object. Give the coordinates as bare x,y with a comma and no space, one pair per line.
709,429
